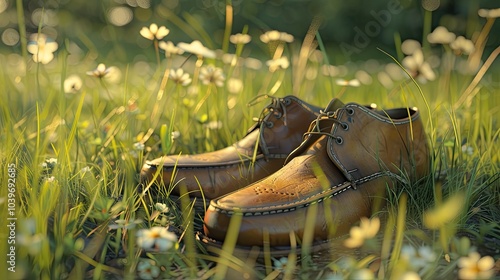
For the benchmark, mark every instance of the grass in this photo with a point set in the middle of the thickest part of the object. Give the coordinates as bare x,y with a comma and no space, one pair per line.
78,215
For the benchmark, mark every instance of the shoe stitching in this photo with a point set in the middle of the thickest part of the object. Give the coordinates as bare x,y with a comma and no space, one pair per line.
304,205
222,166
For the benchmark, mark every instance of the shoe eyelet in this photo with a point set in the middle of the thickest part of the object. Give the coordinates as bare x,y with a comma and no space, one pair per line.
350,111
345,126
287,101
339,140
278,115
269,124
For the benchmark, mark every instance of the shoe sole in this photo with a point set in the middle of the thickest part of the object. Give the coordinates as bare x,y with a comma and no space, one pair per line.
215,247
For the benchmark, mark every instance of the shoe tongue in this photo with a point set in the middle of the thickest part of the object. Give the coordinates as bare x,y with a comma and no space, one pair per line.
315,126
334,105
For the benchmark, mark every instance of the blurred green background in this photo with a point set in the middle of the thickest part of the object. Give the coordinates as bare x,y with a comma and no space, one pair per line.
110,29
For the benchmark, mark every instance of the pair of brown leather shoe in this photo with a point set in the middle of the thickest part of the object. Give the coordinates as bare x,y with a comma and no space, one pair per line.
338,159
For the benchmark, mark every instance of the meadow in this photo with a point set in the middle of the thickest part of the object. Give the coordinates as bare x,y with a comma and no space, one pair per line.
76,130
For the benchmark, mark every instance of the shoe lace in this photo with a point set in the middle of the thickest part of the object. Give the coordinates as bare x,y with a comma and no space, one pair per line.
317,128
330,117
277,107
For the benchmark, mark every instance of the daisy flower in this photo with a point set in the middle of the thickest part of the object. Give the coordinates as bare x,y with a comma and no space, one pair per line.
169,48
213,125
42,48
147,270
418,258
409,46
179,77
350,83
281,263
156,238
197,48
475,267
461,45
441,35
367,229
154,32
419,68
212,75
161,207
72,84
240,39
491,13
100,72
274,35
279,63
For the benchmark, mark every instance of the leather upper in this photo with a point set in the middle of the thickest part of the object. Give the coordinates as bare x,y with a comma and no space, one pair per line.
349,156
278,132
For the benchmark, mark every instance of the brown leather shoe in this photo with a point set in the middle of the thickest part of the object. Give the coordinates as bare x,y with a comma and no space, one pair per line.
278,132
361,152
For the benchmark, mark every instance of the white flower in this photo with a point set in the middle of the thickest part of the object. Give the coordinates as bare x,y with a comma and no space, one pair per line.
156,238
409,46
73,84
179,77
240,38
274,35
197,48
461,45
279,63
367,229
161,207
176,134
441,35
85,170
213,125
169,48
139,146
418,258
418,68
351,83
212,75
49,163
41,48
100,72
50,179
281,263
492,13
147,270
475,267
467,149
234,85
29,238
153,32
